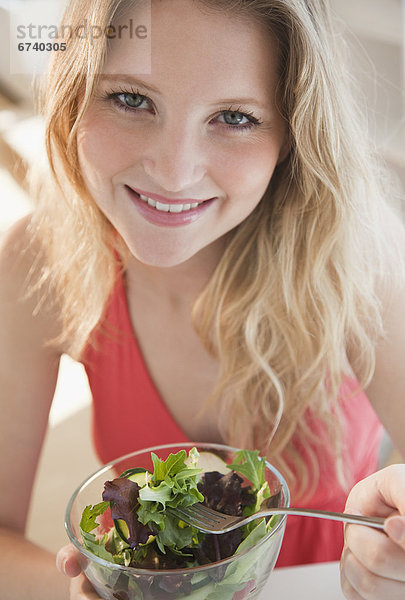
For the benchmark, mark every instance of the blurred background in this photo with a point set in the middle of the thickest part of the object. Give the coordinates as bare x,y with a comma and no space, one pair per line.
375,32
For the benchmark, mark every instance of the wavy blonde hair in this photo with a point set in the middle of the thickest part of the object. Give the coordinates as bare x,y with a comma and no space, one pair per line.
296,285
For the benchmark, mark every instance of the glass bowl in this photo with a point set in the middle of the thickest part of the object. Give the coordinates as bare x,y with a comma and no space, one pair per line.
241,576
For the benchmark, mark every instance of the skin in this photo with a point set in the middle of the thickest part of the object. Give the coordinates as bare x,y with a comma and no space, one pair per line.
178,144
372,564
181,149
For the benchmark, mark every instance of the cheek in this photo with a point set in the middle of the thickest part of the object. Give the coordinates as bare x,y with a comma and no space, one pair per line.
249,168
101,152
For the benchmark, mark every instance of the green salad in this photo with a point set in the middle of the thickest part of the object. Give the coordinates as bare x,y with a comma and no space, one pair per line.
131,526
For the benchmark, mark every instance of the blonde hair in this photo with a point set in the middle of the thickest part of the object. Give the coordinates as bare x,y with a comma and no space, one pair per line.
297,284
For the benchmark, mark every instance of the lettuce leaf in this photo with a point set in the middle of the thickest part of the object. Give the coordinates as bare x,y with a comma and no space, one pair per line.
87,524
173,483
123,497
252,466
88,521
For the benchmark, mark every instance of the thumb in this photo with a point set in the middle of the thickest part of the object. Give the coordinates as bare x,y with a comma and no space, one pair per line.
395,529
67,561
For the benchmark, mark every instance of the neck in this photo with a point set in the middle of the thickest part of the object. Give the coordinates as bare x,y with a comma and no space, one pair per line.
178,286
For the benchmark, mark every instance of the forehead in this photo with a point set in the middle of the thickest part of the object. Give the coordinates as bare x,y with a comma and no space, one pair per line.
194,46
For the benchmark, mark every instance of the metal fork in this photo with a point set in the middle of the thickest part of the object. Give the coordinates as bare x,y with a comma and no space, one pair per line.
211,521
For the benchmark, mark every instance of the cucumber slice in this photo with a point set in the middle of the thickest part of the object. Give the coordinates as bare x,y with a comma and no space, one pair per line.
133,471
207,461
138,475
140,478
122,529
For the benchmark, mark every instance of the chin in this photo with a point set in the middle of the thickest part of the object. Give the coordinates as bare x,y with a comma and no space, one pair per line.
160,258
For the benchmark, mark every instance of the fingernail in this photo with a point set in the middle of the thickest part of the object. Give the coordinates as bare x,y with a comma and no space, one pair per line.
63,565
396,529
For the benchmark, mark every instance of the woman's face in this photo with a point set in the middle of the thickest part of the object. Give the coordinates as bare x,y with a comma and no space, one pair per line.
177,158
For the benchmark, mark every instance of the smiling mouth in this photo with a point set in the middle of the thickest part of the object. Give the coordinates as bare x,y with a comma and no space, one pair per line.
172,208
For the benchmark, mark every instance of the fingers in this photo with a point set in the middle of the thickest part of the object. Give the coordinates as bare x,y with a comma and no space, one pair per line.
359,583
373,562
395,529
380,494
67,561
376,552
81,589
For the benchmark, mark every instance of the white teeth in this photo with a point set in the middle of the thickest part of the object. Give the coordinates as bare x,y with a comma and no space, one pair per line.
176,208
161,206
173,208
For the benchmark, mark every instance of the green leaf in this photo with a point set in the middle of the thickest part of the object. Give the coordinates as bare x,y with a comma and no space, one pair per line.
252,466
95,546
242,570
160,493
172,484
169,467
175,537
88,521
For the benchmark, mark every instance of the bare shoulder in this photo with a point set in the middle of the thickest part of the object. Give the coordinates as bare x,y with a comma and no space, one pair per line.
387,388
391,282
20,267
16,254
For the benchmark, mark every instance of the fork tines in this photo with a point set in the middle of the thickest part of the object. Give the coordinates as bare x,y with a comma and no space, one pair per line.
201,514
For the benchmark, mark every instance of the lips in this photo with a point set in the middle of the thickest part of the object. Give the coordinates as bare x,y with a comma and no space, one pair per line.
168,204
168,211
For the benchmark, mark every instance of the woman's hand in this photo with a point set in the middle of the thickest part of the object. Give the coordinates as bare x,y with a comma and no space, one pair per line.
373,562
68,564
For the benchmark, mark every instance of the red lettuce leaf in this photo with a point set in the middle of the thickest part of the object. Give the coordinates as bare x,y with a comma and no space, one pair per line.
225,493
123,494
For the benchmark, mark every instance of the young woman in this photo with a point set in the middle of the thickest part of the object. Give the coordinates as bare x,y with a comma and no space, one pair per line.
214,245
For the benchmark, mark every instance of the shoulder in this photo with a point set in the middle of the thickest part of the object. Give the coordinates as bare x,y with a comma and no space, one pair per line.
390,259
387,387
32,311
15,260
19,255
390,287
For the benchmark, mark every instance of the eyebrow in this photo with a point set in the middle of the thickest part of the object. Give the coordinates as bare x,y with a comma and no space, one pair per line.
240,100
123,78
126,78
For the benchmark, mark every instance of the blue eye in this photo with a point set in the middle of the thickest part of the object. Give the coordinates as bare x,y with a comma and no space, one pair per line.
129,100
235,118
238,121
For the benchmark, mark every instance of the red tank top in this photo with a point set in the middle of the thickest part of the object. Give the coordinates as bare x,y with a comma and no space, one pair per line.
129,414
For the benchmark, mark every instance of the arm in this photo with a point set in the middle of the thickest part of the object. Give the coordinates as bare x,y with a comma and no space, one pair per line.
28,373
373,564
387,388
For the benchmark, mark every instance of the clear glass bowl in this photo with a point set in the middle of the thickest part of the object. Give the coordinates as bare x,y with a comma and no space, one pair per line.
239,577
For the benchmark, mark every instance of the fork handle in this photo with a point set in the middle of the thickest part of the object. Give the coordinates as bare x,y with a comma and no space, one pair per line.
375,522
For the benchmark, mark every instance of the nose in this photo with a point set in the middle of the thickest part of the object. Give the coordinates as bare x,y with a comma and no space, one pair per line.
174,158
